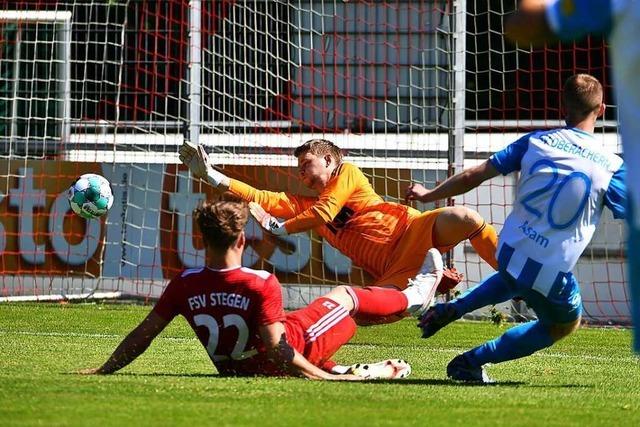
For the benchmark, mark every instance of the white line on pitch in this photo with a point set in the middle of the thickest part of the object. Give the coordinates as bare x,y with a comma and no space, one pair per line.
83,335
434,350
456,350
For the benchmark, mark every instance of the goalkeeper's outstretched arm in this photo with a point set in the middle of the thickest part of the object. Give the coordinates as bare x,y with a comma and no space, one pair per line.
280,204
133,345
197,160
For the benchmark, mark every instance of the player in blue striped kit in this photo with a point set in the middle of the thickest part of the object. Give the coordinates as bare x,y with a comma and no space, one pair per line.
538,21
566,179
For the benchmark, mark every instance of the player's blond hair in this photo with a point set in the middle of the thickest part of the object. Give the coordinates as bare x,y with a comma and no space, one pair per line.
582,95
221,222
319,147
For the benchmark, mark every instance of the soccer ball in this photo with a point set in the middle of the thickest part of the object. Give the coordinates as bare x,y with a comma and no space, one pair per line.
90,196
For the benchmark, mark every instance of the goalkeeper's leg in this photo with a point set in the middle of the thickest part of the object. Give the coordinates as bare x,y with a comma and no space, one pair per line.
458,223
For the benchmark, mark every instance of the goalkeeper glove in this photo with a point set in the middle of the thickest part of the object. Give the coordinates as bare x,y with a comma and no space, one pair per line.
197,160
268,222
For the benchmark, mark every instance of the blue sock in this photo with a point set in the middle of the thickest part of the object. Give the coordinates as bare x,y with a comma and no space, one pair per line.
633,266
517,342
492,290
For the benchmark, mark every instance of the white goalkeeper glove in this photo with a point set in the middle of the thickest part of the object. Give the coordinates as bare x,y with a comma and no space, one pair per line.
268,222
197,160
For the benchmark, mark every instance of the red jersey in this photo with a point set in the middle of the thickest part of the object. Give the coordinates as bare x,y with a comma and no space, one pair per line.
225,308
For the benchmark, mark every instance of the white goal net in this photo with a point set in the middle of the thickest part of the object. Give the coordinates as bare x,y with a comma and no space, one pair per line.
411,90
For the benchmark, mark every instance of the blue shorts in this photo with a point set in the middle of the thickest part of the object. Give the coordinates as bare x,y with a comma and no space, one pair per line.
562,305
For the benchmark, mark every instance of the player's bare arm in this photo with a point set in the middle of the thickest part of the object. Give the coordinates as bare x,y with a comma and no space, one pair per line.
132,346
455,185
281,352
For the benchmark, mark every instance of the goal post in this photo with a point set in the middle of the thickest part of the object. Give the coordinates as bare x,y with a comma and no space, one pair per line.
410,90
27,55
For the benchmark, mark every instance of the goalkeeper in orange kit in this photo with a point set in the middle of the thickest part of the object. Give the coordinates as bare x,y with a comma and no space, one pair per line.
388,240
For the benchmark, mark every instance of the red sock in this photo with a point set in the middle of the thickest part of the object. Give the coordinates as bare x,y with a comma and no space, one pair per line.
328,366
373,301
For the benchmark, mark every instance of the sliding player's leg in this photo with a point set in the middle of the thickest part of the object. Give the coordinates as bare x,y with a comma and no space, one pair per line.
320,329
327,323
422,288
384,303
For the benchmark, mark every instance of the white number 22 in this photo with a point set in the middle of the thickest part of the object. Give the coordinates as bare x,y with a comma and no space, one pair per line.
228,320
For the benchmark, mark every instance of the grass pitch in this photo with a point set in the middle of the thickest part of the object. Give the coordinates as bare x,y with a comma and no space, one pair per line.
590,378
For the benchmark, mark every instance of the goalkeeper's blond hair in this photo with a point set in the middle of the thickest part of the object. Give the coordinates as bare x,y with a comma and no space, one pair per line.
320,147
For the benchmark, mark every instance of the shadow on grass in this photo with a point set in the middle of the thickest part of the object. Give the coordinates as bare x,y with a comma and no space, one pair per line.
444,382
402,382
152,374
561,385
172,374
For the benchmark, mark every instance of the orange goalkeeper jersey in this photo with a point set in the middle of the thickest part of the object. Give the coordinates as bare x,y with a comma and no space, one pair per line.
348,214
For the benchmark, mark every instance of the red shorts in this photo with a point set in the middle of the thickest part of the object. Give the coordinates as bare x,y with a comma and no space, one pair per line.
319,330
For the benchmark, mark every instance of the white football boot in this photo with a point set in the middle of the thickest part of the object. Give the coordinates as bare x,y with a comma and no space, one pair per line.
425,283
391,369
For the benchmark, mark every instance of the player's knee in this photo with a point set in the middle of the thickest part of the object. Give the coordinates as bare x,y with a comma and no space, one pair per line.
463,218
338,292
561,330
472,219
342,295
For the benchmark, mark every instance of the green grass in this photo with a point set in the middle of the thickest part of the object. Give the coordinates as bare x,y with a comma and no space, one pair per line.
588,379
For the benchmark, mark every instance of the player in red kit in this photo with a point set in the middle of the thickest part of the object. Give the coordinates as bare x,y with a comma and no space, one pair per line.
237,313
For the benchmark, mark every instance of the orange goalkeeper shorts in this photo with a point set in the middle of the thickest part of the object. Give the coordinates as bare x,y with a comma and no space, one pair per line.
408,256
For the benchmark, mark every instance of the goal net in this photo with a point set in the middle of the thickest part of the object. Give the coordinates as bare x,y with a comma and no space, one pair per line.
410,90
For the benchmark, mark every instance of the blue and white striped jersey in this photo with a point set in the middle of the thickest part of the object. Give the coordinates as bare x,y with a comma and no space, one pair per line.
566,179
572,19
